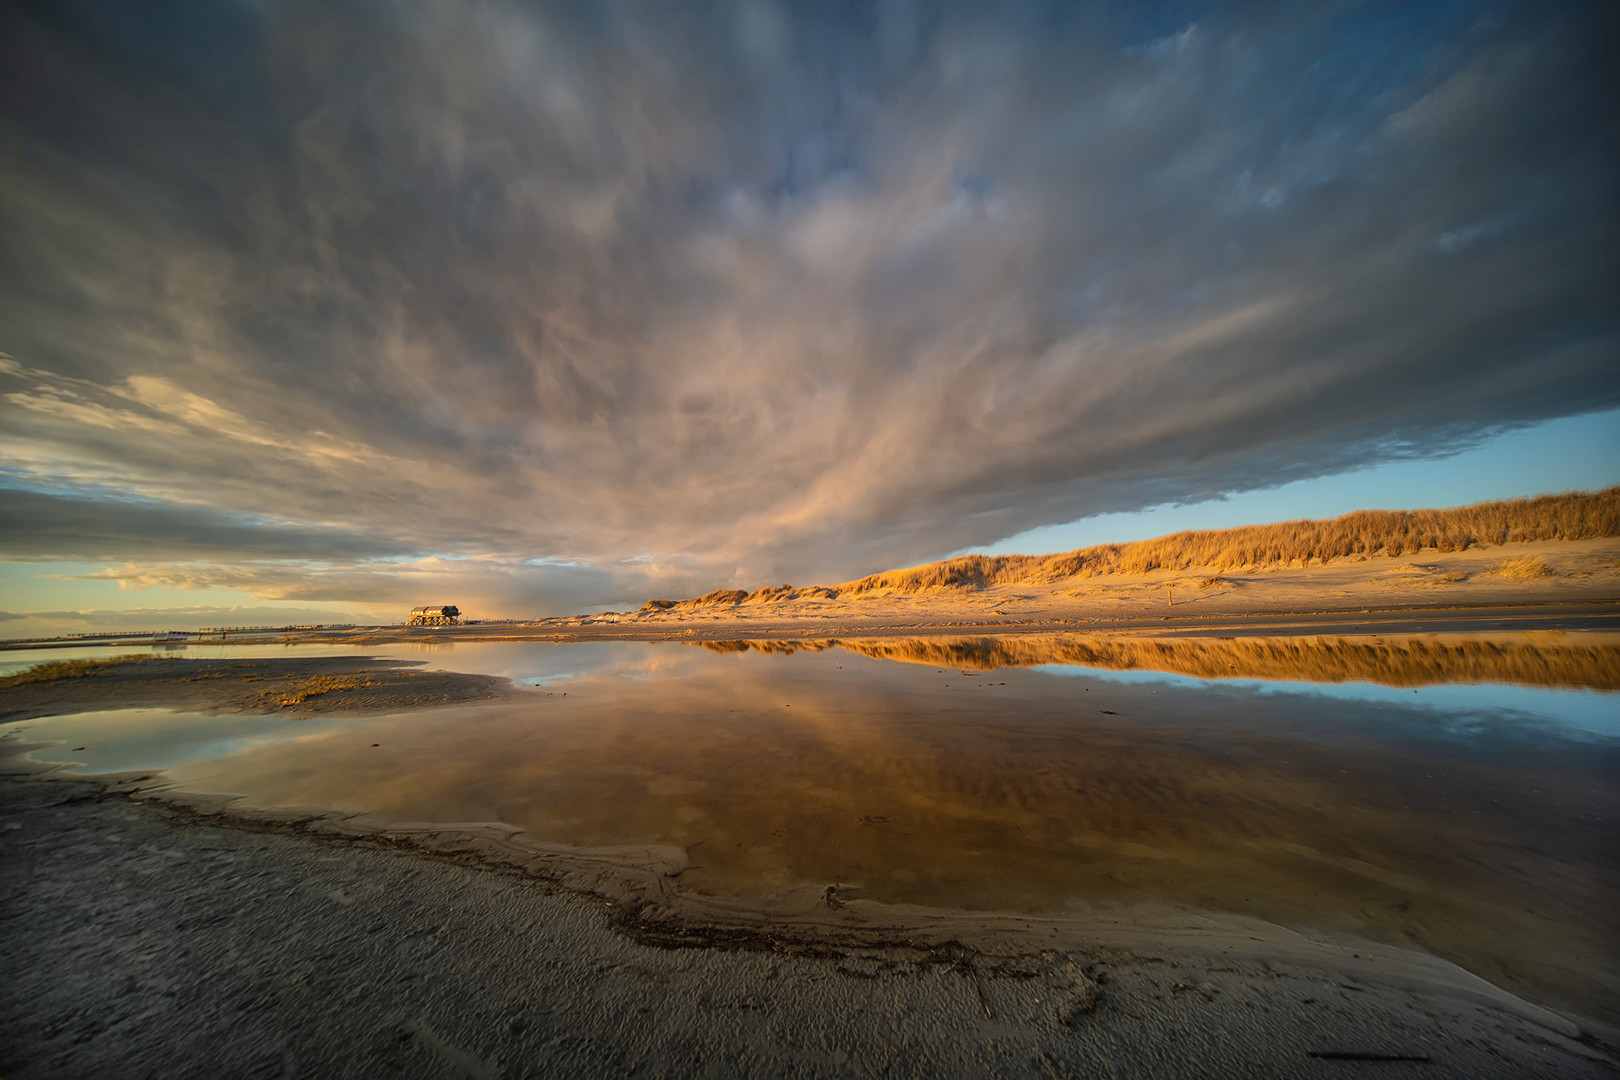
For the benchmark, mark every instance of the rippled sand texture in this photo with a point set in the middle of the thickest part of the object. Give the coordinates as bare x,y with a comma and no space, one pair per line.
1485,838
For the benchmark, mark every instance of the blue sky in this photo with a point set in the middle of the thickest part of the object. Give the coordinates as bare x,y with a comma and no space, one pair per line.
544,307
1579,453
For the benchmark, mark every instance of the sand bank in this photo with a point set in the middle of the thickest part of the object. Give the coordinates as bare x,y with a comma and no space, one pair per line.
145,941
306,686
206,938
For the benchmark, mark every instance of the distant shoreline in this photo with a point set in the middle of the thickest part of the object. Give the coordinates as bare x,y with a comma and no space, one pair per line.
1552,562
1600,613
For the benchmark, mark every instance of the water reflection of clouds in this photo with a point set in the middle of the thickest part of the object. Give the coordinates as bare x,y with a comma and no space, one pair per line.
534,663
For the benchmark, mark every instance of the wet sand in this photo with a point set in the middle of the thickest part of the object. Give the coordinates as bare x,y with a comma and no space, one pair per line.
306,686
583,966
704,786
141,942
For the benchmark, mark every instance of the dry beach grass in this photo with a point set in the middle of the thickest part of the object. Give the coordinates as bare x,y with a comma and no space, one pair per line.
1289,544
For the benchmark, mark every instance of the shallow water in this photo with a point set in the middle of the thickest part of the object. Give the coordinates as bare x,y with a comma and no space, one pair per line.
1478,821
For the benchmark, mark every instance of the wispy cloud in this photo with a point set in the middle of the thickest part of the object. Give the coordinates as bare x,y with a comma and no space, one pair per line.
759,292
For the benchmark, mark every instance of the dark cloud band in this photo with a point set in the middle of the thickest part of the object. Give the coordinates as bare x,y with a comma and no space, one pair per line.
784,292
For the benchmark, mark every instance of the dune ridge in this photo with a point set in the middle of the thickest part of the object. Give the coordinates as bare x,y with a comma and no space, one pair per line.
1572,515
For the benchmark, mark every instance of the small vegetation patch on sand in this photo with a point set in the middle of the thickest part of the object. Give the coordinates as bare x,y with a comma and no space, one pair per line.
734,597
55,670
313,684
1521,568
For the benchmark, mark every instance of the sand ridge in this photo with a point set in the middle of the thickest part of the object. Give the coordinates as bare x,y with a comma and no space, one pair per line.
306,686
363,955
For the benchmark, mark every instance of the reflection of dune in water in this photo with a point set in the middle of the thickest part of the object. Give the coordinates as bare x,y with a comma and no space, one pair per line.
1316,660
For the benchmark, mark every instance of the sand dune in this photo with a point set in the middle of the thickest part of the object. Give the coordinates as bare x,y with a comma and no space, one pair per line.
1363,535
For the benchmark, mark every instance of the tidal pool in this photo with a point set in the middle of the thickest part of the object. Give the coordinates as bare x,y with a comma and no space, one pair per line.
1476,820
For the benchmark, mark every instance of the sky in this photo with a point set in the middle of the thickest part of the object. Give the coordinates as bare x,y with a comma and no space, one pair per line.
313,312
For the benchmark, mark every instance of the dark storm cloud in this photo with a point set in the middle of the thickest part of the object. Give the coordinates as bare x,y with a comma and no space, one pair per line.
483,586
35,525
782,292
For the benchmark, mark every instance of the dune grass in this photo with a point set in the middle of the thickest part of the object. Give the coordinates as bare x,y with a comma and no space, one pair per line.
1521,568
1571,516
1576,515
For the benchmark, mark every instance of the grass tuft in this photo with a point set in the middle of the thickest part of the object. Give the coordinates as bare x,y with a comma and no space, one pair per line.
1521,568
314,686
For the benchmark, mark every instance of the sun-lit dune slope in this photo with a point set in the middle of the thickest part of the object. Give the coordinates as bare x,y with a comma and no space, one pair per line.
1365,533
1572,516
1414,662
766,595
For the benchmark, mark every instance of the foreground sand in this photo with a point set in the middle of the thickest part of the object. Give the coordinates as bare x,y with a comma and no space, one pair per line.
304,686
140,943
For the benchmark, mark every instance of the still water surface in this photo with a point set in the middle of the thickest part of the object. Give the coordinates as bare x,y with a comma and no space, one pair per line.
1476,820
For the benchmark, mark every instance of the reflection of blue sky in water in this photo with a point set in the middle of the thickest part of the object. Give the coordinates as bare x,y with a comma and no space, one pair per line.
1465,705
123,739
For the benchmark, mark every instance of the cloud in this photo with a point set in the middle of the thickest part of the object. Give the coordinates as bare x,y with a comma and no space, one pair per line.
764,292
483,588
49,624
35,525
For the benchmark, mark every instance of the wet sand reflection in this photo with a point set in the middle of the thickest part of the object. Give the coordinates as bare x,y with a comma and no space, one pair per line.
1486,839
1544,659
1485,836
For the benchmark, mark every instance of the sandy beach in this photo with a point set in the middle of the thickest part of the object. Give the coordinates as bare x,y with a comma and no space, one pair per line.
203,937
147,940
